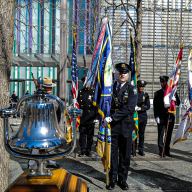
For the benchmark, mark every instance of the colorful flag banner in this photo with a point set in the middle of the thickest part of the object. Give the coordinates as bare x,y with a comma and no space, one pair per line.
132,63
90,81
100,78
185,127
103,97
169,94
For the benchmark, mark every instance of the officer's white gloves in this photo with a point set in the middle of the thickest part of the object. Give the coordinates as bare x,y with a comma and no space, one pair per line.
96,122
157,120
107,120
137,108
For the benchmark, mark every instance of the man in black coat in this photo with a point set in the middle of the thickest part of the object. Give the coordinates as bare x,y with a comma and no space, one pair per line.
87,120
143,104
124,100
165,121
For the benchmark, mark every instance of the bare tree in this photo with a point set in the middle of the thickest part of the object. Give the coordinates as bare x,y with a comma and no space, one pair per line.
6,42
135,24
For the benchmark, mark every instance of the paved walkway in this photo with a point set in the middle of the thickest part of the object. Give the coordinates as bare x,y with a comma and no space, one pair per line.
148,173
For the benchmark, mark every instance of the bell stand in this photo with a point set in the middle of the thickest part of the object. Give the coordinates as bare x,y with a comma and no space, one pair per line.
60,181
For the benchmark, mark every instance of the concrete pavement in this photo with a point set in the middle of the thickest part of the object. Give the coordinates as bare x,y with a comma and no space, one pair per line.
148,173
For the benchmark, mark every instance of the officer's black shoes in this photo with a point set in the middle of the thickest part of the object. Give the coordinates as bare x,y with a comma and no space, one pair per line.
81,154
123,185
88,154
111,185
168,154
141,153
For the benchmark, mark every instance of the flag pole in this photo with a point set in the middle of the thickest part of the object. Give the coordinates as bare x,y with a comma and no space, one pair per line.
106,148
165,136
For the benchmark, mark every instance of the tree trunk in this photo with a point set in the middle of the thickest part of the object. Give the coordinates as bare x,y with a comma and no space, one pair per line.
6,43
138,36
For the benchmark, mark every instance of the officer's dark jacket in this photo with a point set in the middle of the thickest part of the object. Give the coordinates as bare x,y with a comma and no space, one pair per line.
158,104
85,100
143,102
123,107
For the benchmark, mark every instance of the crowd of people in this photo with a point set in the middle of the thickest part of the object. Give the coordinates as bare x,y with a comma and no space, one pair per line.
126,99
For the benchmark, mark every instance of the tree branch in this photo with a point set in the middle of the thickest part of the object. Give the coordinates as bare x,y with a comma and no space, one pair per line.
129,16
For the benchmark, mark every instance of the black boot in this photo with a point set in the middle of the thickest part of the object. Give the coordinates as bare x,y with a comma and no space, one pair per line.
123,185
81,154
111,185
167,153
141,153
88,154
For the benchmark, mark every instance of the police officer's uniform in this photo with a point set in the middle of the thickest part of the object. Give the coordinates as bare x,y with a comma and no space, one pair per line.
143,104
167,120
123,104
86,128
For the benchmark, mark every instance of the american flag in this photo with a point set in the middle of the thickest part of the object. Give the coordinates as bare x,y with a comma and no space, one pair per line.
74,73
74,70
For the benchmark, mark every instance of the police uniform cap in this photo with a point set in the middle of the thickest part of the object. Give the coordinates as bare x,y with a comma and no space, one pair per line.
141,83
123,67
163,78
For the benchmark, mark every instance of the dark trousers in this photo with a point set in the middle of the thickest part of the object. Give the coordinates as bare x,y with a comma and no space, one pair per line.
120,156
165,128
86,133
142,126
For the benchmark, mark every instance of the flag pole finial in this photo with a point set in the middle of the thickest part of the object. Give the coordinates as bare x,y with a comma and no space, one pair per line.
181,46
130,28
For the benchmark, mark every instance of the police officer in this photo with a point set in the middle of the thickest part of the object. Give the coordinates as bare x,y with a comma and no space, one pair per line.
143,104
87,121
124,100
165,121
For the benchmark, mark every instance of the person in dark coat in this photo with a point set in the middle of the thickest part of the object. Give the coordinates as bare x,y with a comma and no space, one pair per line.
87,120
143,104
14,99
165,121
124,100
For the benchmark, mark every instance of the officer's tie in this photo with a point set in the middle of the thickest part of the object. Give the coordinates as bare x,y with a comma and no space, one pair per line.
118,87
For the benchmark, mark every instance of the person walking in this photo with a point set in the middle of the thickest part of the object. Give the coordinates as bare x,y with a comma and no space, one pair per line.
87,120
124,100
165,120
143,104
